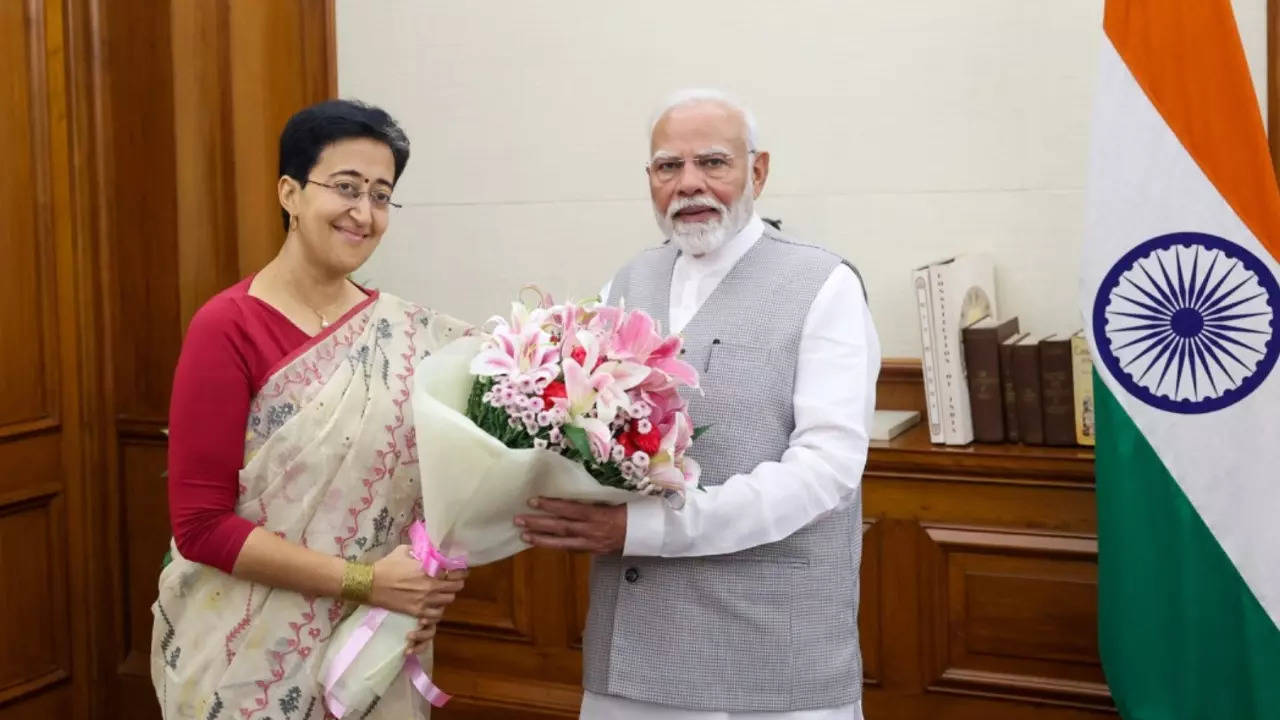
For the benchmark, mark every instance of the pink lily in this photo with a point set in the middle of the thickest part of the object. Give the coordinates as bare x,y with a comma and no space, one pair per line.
637,340
669,468
521,349
610,380
659,391
581,395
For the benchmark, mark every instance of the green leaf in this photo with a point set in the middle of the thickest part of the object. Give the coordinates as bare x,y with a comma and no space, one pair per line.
578,439
697,432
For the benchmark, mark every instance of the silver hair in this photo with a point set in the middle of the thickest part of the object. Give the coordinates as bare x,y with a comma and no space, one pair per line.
694,96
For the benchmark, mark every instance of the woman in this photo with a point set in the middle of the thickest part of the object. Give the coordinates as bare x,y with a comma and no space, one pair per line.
292,457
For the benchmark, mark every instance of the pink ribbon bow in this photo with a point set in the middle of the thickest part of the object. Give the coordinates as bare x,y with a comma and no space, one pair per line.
433,562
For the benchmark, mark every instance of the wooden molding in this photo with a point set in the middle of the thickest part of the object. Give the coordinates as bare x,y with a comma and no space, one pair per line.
478,694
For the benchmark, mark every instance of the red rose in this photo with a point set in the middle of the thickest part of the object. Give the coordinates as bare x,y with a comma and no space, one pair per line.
627,443
648,442
555,391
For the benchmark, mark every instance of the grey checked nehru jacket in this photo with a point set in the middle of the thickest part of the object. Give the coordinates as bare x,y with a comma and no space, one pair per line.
771,628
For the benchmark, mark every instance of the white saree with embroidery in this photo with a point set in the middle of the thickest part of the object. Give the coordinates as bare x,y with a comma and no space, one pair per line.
330,464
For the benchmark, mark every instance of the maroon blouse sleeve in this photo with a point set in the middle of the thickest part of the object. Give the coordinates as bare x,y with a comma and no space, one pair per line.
212,388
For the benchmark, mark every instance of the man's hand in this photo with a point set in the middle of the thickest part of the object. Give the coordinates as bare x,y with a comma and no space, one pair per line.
568,525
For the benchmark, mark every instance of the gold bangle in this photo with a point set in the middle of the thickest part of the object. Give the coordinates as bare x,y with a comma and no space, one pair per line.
357,582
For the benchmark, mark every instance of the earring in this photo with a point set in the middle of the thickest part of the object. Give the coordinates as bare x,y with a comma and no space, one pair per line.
293,222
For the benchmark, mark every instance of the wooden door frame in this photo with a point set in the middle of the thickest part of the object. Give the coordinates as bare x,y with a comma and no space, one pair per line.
90,566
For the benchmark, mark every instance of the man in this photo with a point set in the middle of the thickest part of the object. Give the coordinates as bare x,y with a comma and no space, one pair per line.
742,603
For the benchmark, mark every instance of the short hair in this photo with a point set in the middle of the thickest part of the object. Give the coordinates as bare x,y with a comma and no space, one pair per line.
695,96
314,128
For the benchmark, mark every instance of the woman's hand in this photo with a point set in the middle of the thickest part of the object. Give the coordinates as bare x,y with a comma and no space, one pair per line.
400,585
420,639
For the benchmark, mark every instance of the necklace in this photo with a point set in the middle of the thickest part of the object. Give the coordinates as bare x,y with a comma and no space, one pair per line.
324,321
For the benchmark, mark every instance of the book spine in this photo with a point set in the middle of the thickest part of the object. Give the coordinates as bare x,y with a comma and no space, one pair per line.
957,426
982,371
928,355
1026,378
1057,395
1010,393
1082,381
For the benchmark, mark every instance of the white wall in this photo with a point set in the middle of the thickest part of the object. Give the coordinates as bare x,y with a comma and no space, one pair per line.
901,132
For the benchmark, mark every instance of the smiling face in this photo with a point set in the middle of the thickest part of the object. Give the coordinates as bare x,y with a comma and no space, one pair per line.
338,235
710,197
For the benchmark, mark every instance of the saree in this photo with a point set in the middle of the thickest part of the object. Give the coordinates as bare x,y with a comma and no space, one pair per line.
330,464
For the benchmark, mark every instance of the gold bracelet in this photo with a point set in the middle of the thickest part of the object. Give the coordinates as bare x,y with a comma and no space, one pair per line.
357,582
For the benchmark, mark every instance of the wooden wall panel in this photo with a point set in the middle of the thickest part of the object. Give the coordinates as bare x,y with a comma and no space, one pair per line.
1012,614
34,648
281,36
141,205
22,366
496,603
144,519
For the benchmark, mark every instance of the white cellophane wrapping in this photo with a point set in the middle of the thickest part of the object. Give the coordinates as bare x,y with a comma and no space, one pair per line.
473,486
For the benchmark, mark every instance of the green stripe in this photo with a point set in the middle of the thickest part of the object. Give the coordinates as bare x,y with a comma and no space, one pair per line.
1181,635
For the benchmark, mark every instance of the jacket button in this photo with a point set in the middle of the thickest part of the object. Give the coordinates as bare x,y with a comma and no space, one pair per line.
631,575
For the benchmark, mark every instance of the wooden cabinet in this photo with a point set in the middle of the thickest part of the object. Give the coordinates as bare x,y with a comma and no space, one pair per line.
980,582
979,593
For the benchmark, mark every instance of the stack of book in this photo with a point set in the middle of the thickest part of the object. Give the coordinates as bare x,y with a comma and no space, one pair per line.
984,379
1029,389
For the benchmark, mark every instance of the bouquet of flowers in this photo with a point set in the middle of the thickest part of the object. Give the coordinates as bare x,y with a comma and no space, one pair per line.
573,401
595,384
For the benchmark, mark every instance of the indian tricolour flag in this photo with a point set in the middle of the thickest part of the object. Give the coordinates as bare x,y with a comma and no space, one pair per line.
1180,298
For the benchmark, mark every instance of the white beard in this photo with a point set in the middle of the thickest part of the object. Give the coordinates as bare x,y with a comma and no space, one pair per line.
701,238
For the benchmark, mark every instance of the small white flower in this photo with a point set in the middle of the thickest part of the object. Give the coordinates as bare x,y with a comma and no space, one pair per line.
544,419
529,417
636,410
643,426
540,444
640,458
536,404
513,422
555,436
525,385
617,453
627,469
